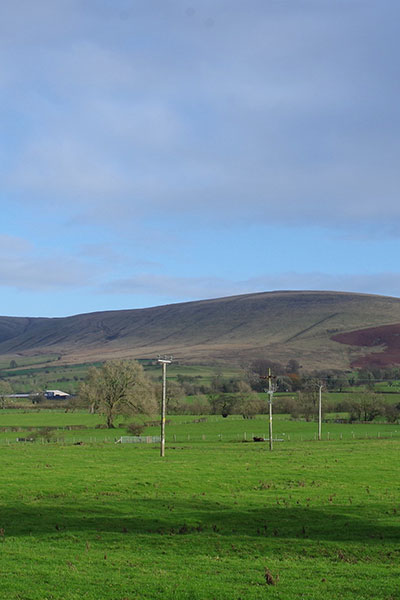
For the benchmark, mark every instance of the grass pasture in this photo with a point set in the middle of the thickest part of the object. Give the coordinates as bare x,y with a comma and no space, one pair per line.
216,519
24,379
71,427
47,373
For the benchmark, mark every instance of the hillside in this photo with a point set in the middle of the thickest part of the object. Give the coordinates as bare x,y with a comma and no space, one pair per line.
277,325
385,338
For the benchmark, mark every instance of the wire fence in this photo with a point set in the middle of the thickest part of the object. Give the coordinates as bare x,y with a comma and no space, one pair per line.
228,437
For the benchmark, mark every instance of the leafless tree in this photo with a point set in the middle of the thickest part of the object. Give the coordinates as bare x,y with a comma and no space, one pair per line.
119,387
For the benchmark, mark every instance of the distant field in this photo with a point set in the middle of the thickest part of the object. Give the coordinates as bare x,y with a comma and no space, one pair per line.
23,361
213,520
389,397
202,373
26,377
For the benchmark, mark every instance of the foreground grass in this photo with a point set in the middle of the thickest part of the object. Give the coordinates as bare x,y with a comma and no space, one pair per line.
119,522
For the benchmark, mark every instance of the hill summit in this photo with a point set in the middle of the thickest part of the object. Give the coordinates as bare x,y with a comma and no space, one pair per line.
277,325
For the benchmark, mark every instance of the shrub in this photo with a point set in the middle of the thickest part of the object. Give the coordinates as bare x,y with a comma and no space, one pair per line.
135,428
46,433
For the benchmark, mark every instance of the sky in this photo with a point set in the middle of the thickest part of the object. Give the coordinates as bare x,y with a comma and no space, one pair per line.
161,151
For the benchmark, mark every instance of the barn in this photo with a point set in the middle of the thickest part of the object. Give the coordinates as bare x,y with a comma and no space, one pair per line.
56,395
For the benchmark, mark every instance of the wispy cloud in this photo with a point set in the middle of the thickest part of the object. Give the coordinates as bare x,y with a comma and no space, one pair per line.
168,287
273,113
23,267
176,132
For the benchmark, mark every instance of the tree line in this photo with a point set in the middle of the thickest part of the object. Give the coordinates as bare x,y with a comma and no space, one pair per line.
123,388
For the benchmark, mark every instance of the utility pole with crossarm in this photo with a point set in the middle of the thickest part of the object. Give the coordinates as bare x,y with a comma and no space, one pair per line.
320,386
270,393
164,362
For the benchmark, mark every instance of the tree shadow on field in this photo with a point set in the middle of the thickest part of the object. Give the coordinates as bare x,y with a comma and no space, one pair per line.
157,516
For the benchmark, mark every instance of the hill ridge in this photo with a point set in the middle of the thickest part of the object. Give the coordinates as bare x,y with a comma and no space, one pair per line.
280,325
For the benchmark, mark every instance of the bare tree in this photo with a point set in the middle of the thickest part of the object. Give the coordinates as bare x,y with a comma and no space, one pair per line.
308,398
175,396
119,387
247,402
88,391
365,406
5,390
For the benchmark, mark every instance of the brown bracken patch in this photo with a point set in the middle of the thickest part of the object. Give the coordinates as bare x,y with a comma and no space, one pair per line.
386,336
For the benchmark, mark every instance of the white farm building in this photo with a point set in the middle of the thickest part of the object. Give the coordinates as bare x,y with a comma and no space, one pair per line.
56,395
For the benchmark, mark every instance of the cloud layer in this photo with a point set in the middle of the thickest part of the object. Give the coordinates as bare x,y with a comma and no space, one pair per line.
192,288
23,267
147,147
280,112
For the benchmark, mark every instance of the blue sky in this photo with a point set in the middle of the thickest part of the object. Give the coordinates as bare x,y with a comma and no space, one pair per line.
164,151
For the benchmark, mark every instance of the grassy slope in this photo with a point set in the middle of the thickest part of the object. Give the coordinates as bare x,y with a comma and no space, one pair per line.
278,324
119,523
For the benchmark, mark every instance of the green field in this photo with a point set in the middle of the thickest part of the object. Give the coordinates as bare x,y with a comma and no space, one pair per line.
71,427
24,379
34,373
216,518
26,361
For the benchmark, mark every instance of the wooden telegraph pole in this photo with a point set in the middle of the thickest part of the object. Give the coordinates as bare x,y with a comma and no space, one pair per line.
320,386
164,362
270,393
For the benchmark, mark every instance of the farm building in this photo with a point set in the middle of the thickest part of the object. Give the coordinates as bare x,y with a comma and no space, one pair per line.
56,395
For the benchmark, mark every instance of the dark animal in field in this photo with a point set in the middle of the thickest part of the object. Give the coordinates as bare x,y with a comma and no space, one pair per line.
269,578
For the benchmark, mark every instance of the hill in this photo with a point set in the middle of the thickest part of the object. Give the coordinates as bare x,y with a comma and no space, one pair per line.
278,325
